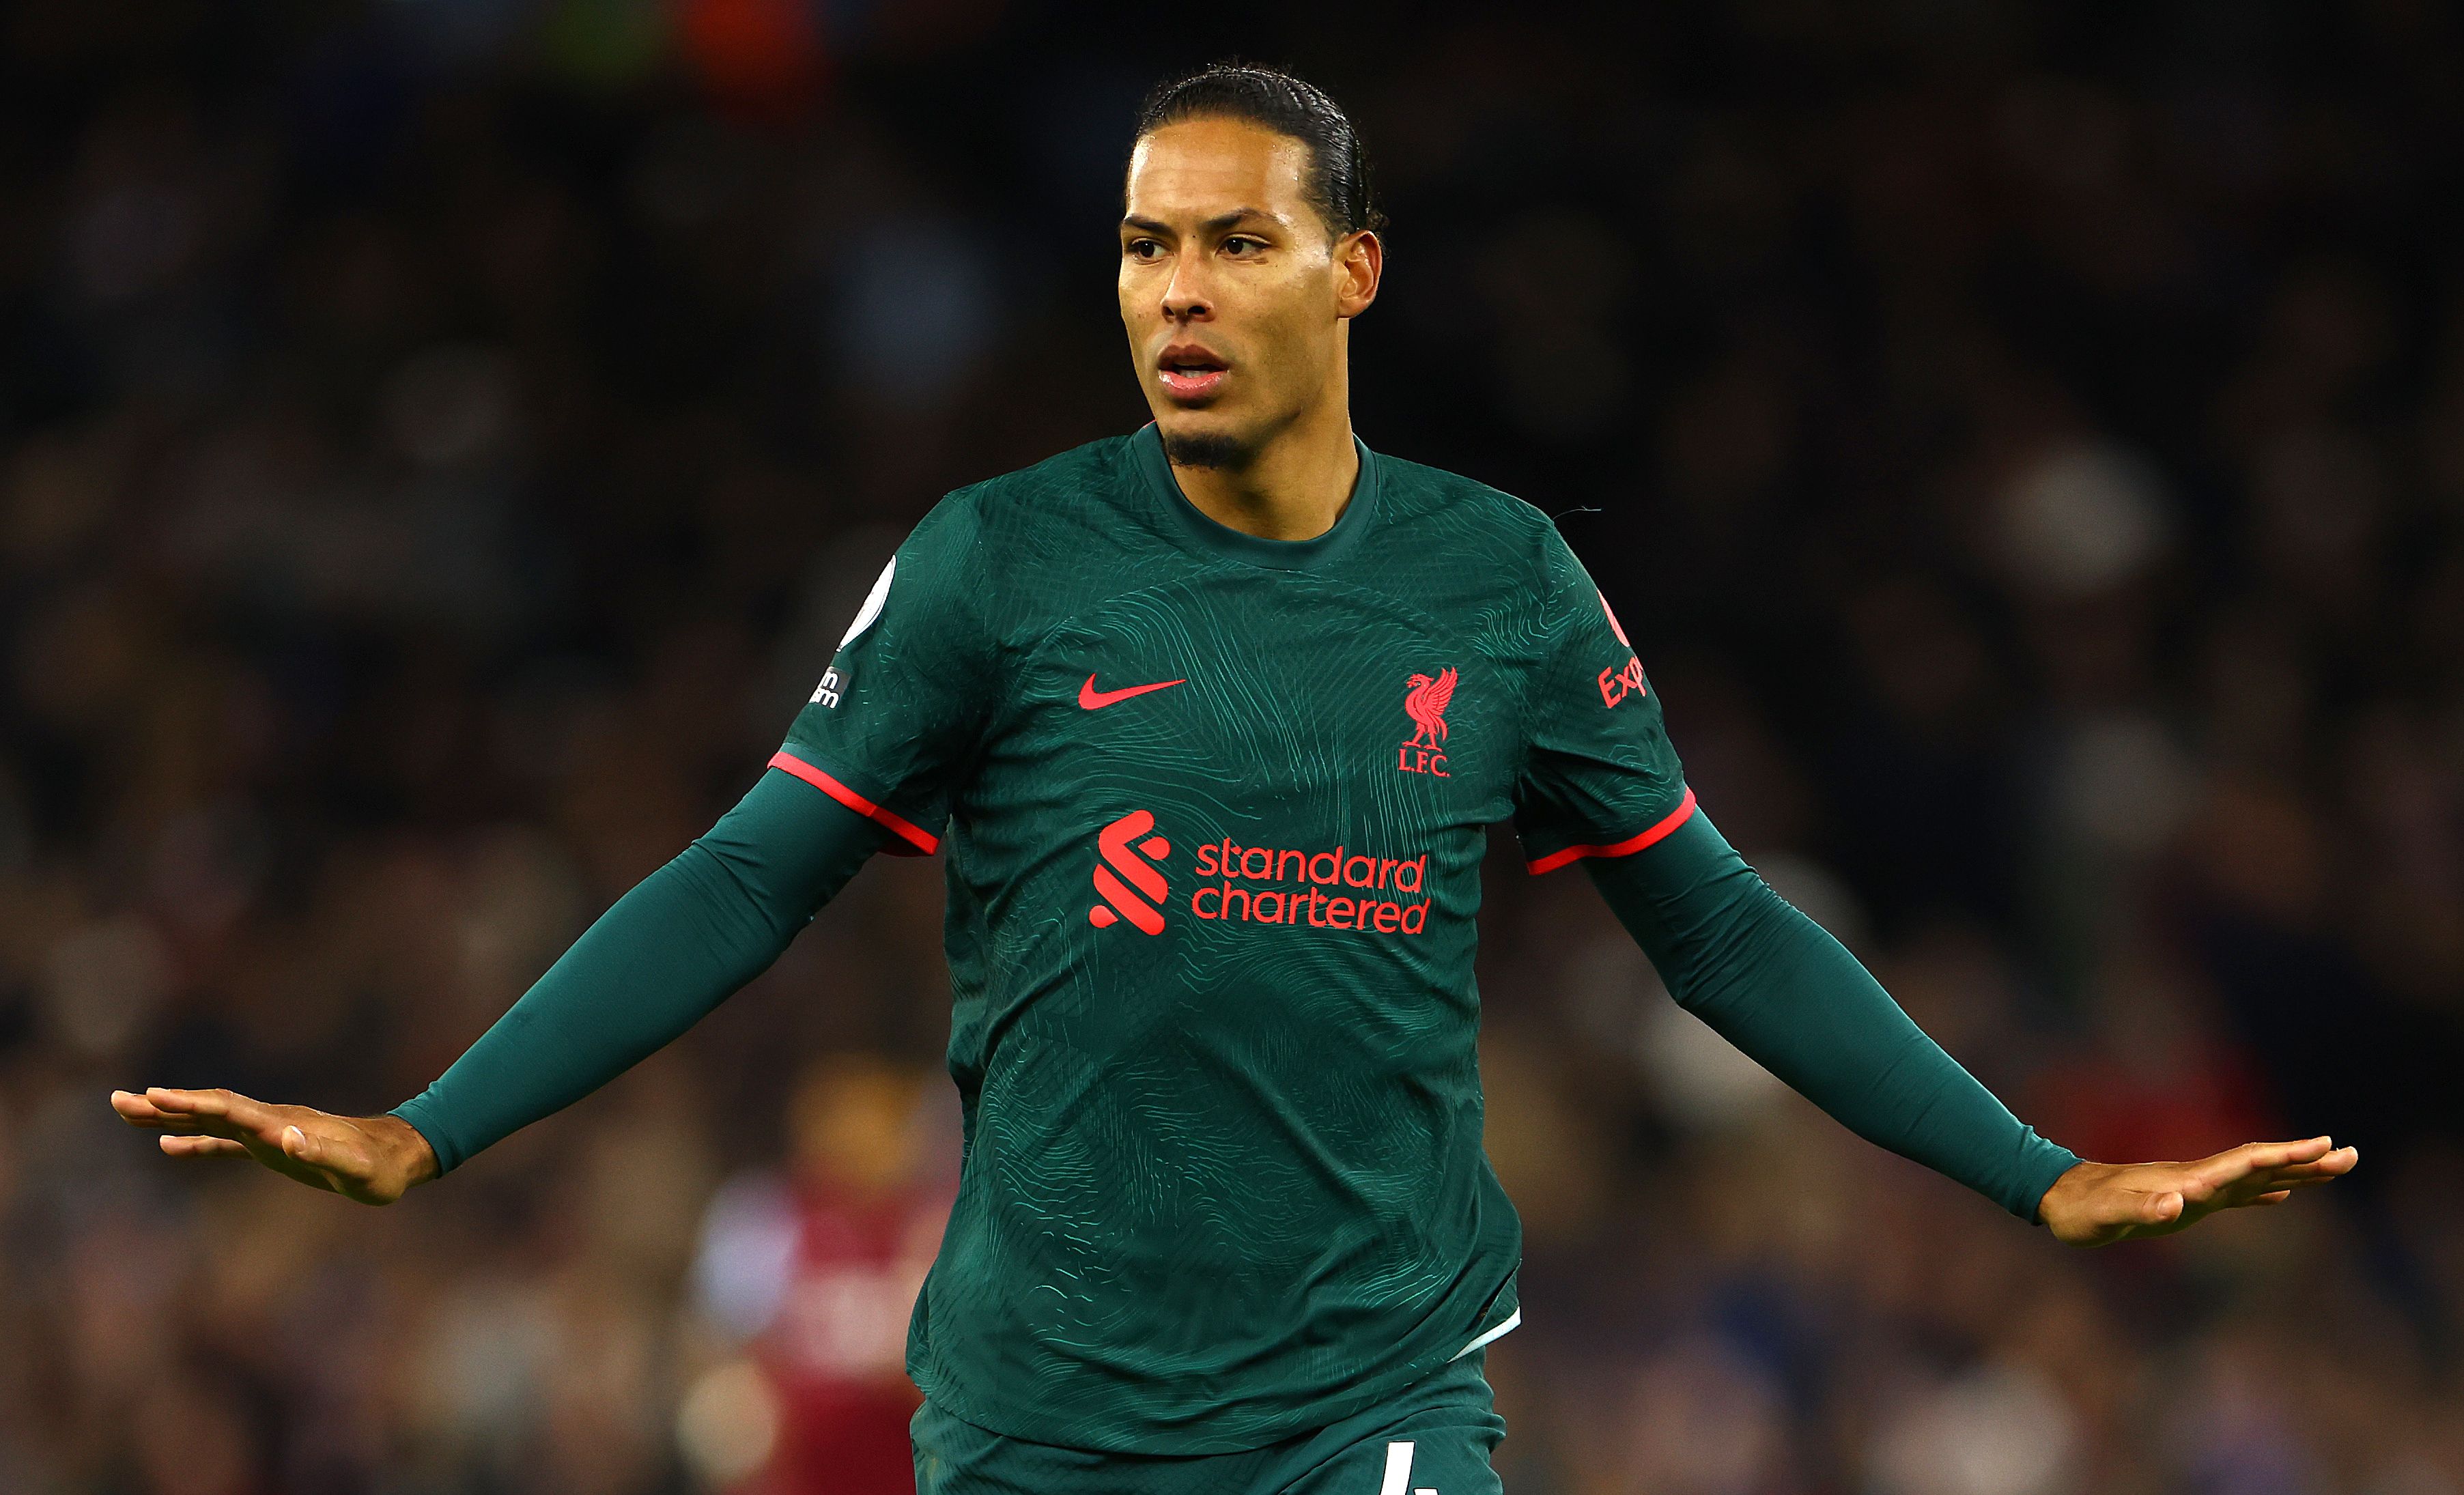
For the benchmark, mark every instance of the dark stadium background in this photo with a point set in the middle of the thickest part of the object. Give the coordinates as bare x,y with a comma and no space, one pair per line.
440,439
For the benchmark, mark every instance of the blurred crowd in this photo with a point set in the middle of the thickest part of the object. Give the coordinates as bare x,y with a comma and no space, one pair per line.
440,439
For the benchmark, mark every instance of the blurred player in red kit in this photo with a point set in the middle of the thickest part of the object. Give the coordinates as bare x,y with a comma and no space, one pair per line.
818,1271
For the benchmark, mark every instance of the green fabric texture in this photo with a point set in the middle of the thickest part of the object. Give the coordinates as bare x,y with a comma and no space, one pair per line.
656,962
1775,984
1449,1417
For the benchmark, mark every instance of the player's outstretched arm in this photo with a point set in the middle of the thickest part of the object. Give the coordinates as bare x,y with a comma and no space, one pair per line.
373,1159
674,947
2096,1204
1775,984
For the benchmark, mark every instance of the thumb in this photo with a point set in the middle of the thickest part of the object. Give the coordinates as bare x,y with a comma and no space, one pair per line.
2162,1207
299,1147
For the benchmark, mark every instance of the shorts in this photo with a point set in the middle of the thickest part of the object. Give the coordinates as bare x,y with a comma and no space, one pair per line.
1437,1435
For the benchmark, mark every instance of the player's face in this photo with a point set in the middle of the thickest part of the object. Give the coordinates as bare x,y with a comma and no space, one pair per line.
1235,296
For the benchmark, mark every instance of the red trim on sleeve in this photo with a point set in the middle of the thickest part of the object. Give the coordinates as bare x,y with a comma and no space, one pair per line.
1626,847
923,841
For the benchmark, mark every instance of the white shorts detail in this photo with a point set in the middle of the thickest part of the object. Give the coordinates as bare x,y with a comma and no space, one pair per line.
1398,1469
1513,1321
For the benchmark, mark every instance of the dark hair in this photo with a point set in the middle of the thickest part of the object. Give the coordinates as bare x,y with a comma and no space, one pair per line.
1338,181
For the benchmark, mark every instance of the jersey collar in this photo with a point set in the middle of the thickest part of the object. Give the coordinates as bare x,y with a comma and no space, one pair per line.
1146,450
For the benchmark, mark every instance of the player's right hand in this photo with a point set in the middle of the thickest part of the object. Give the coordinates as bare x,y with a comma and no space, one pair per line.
373,1159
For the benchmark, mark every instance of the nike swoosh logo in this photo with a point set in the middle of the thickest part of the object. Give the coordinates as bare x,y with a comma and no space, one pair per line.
1095,700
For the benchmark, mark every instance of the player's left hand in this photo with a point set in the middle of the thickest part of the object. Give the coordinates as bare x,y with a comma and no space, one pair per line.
2094,1204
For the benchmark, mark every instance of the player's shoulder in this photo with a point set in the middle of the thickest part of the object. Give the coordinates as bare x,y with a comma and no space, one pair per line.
1440,506
1028,542
1079,484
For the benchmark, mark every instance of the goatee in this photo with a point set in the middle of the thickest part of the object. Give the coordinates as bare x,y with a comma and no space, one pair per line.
1208,449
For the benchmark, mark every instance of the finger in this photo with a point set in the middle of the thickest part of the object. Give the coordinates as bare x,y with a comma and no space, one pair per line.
2236,1162
166,1098
133,1109
199,1103
2278,1179
139,1111
254,1119
2157,1209
201,1147
2334,1164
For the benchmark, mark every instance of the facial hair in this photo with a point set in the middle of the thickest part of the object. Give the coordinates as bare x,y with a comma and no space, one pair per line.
1208,449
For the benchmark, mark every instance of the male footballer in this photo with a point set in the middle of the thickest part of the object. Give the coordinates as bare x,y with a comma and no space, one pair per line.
1210,722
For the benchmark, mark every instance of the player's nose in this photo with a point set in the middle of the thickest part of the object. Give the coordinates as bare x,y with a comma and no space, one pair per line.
1185,298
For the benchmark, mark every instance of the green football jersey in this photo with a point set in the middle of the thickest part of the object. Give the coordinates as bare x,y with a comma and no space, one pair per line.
1214,809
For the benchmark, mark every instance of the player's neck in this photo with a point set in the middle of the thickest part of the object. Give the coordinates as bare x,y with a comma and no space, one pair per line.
1295,488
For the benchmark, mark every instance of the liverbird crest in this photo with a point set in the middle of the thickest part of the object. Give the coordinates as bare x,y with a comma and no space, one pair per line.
1425,701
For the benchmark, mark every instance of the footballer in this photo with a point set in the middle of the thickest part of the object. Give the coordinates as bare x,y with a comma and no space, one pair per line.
1209,722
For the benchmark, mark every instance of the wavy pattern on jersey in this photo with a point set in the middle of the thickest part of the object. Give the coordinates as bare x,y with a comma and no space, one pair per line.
1231,1023
1223,1180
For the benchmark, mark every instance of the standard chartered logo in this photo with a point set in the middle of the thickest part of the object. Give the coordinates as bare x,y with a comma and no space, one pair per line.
1122,876
1337,887
1333,888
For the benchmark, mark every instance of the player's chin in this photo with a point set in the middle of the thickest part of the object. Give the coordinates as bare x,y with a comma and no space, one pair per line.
1209,422
1206,438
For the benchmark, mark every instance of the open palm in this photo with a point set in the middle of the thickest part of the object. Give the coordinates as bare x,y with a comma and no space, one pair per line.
373,1159
2097,1204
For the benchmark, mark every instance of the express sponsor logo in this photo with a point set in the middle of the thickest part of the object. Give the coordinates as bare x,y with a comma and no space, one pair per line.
1619,681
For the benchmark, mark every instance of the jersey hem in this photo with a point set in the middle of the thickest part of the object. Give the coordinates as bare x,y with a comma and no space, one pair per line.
1147,1437
922,841
1658,832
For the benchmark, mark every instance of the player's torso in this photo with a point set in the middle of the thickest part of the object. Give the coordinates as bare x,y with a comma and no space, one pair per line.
1223,806
1214,877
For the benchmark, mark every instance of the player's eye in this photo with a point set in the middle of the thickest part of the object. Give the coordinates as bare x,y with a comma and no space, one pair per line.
1242,244
1142,248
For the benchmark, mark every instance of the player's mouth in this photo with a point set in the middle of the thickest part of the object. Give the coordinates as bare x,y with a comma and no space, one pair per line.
1191,372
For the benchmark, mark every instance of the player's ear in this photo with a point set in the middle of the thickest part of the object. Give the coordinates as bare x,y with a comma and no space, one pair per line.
1359,261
